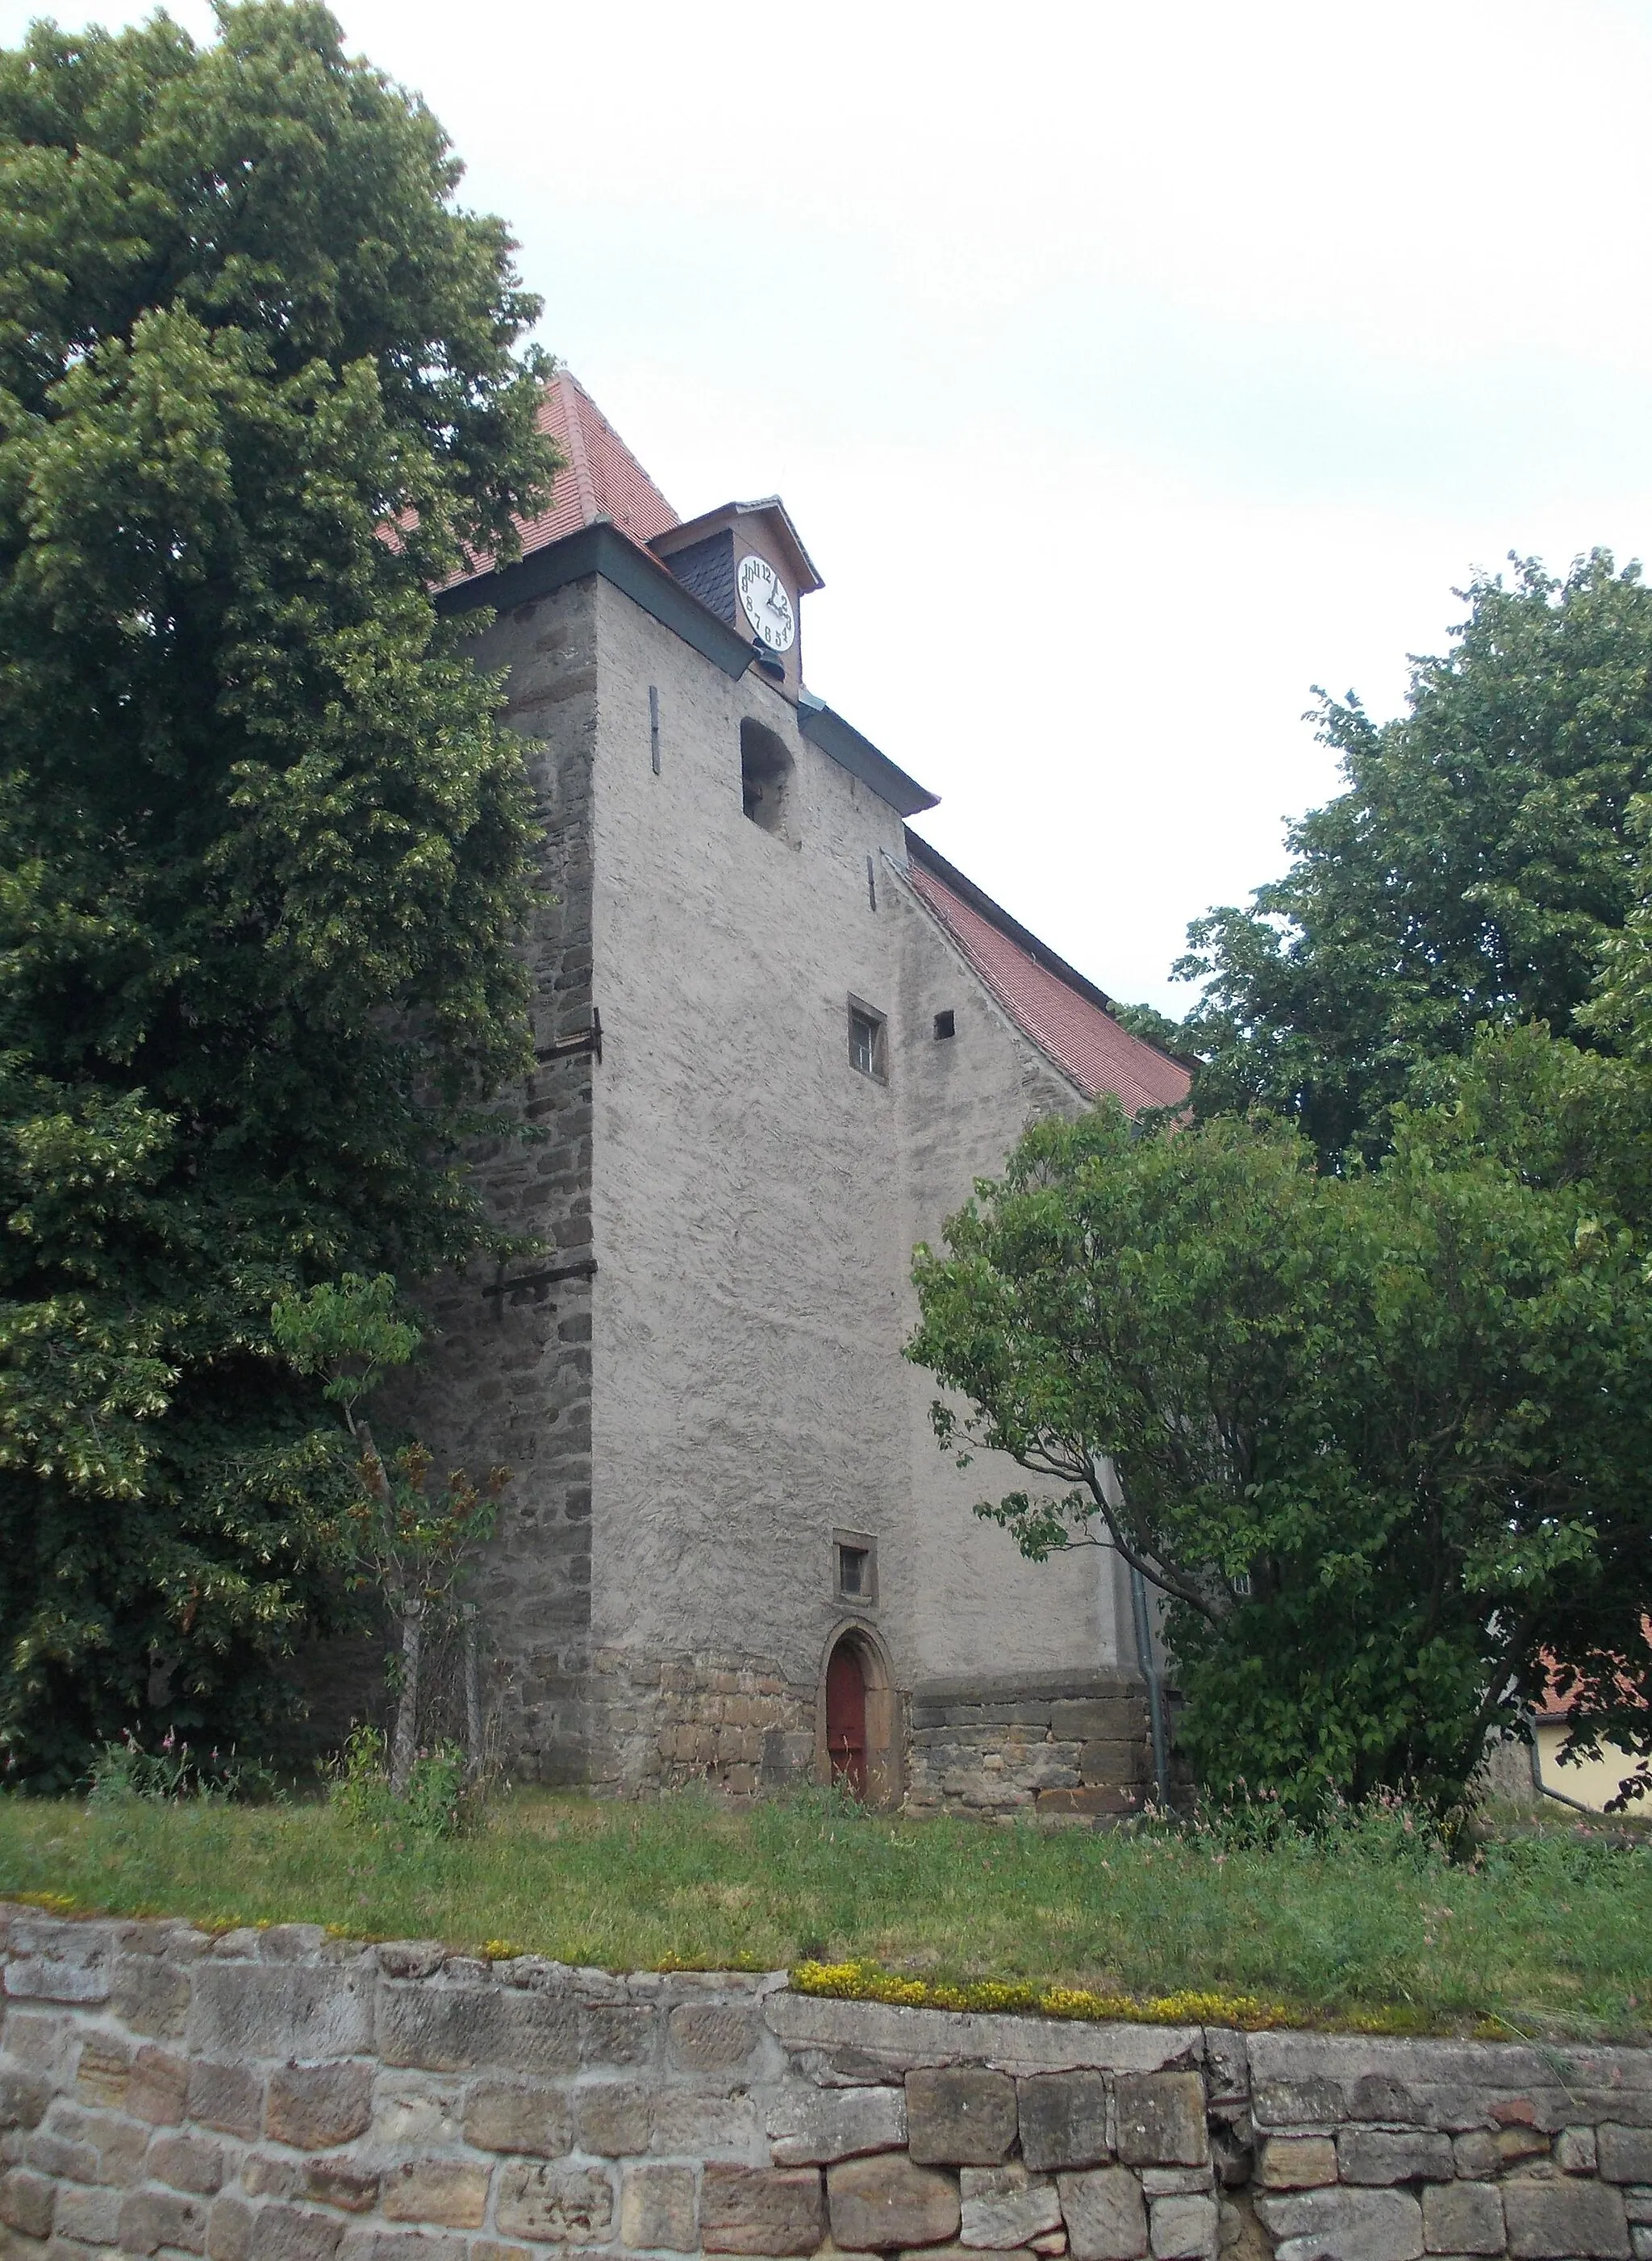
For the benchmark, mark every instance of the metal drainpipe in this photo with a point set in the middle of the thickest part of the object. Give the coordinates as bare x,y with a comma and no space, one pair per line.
1155,1686
1543,1788
1113,1490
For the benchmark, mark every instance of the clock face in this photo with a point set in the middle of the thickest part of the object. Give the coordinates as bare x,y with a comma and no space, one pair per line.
764,600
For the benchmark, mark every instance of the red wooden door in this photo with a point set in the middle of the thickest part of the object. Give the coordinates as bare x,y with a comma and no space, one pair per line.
846,1719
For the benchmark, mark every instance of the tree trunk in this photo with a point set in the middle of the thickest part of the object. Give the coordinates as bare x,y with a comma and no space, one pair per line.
403,1747
472,1696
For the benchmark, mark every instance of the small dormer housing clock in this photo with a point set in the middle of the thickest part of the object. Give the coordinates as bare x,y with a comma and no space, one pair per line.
765,602
745,562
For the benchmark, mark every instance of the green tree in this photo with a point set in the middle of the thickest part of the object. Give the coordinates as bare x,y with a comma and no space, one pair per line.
264,841
1469,875
415,1552
1158,1028
1381,1439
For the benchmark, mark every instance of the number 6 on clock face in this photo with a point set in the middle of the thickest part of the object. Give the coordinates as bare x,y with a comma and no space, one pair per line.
764,601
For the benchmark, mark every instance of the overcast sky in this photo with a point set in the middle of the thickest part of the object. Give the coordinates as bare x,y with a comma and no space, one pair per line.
1128,369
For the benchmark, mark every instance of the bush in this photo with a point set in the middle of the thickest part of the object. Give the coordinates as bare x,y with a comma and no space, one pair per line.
438,1801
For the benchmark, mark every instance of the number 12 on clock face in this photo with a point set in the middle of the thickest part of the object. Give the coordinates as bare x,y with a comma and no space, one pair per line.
766,604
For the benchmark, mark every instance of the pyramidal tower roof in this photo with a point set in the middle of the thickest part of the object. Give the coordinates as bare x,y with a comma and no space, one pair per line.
603,478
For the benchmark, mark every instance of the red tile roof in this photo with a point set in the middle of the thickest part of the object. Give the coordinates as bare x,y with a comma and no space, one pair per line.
1555,1706
1065,1016
603,478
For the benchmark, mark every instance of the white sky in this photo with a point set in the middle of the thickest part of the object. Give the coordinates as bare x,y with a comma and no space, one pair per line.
1127,368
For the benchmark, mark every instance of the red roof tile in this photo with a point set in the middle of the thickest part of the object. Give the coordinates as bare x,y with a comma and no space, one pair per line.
1555,1706
603,478
1045,998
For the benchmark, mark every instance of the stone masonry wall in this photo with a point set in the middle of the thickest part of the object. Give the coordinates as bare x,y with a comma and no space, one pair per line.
737,1724
1074,1746
507,1376
280,2096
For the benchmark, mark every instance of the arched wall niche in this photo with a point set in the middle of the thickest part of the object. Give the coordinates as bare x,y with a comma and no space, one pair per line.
765,777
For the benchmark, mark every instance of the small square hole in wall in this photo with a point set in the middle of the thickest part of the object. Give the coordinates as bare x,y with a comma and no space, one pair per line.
945,1024
867,1046
855,1567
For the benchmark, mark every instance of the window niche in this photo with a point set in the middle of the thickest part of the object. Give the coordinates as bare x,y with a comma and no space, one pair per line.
765,779
868,1041
855,1567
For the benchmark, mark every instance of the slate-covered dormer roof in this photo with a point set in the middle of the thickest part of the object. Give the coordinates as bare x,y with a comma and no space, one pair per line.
1065,1015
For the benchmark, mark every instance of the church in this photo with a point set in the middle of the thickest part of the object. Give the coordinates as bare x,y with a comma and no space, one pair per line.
778,1036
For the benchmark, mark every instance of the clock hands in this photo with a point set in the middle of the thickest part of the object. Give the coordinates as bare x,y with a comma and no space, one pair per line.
772,616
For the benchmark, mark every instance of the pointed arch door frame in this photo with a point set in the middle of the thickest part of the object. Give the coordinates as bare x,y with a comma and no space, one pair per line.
885,1770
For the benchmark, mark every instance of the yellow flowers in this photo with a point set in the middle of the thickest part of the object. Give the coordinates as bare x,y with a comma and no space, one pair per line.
866,1981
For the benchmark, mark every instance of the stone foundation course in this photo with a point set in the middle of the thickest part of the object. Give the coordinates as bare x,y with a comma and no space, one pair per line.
1073,1748
279,2095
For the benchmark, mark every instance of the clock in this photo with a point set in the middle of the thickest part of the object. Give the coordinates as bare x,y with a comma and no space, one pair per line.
764,601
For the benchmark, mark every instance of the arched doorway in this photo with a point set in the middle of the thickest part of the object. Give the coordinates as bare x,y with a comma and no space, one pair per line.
857,1733
846,1717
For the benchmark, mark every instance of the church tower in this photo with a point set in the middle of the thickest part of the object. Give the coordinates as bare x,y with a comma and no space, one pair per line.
778,1036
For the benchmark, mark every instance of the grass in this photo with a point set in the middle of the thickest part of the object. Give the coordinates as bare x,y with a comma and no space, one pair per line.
1546,1934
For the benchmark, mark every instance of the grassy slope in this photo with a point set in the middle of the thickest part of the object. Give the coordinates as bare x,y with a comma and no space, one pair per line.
1553,1934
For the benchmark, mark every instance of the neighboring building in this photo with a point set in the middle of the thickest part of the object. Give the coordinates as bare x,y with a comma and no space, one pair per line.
778,1038
1591,1782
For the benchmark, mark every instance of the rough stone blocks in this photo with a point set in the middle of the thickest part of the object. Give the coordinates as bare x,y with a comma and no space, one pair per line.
55,1962
1162,2119
1548,2219
450,2193
151,2219
503,2115
960,2116
158,2087
659,2209
1064,2120
1106,2215
1298,2162
762,2210
26,2202
462,2028
559,2206
822,2125
1462,2218
112,2139
1375,2154
1005,2206
882,2203
612,2117
315,2107
282,2010
713,2037
1344,2225
226,2097
1182,2228
710,2126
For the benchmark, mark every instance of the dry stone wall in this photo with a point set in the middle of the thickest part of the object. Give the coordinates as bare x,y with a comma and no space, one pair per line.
282,2096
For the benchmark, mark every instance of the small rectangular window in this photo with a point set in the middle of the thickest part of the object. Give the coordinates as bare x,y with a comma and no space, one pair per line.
867,1046
946,1025
855,1555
